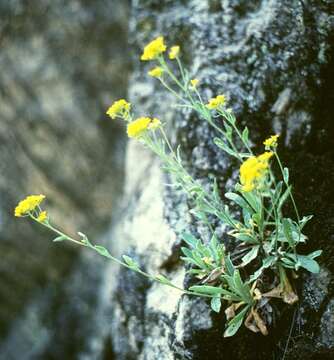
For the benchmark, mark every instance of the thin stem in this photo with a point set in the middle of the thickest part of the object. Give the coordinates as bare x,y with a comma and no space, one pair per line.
288,187
109,256
168,71
171,90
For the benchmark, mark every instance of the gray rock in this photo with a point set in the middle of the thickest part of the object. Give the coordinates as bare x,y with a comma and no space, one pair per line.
274,60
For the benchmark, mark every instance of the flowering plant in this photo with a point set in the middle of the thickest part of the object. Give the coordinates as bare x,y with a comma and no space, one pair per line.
265,258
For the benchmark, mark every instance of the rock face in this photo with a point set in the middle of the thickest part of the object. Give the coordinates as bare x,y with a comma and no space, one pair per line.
274,60
62,63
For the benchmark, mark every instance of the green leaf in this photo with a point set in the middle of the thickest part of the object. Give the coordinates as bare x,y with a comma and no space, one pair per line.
189,239
288,262
234,325
186,252
245,135
246,238
314,254
229,265
283,198
102,250
287,229
252,200
162,279
225,147
308,264
60,238
191,261
241,288
305,220
216,304
240,201
84,239
133,264
267,262
207,289
250,256
286,175
228,133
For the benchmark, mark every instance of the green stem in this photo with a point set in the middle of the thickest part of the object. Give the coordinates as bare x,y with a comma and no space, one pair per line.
109,256
287,186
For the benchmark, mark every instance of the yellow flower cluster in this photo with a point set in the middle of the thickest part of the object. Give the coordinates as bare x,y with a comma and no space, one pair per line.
156,72
194,82
271,141
174,52
42,216
253,169
154,49
118,108
139,126
28,204
216,102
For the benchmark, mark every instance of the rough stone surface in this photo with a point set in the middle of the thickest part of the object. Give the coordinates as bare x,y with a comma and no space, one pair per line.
274,60
62,63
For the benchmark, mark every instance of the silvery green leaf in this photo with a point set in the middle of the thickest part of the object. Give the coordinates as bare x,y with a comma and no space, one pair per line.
209,290
189,239
286,175
252,200
84,238
102,250
288,262
228,131
187,252
234,325
190,261
133,264
305,220
246,216
267,262
225,147
216,304
239,200
287,229
283,198
245,135
242,288
314,254
278,191
308,264
246,238
162,279
250,256
229,265
59,238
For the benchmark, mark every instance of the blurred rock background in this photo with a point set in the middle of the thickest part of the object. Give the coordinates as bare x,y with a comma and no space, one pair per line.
62,63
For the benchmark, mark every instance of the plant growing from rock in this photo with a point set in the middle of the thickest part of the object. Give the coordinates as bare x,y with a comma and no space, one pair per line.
265,259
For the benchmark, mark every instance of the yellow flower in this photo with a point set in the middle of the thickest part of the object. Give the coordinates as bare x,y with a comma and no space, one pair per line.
271,141
138,127
154,49
28,204
194,82
118,108
154,124
174,52
263,158
216,102
156,72
207,260
42,216
253,169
